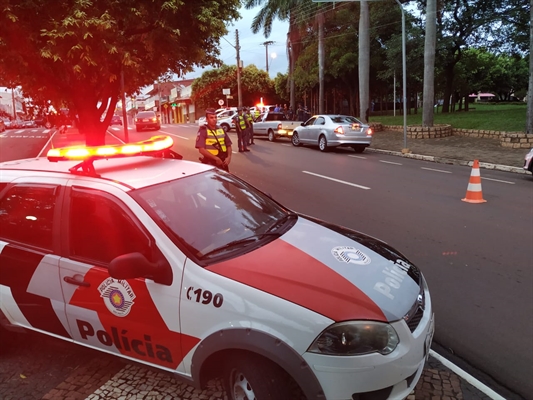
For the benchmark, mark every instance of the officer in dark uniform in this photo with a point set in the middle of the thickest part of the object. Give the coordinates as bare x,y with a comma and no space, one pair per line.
213,143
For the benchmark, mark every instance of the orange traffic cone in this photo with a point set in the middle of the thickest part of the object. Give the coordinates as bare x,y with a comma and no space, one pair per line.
473,192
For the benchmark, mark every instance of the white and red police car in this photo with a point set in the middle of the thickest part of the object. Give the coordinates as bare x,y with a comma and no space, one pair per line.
181,266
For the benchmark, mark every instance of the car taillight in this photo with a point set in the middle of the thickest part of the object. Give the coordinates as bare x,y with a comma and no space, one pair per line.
280,127
339,130
370,132
154,119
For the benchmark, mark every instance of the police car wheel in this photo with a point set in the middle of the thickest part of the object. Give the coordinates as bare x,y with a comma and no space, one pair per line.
249,377
271,136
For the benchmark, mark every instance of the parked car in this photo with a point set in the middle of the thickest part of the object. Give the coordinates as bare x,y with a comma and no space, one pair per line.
115,120
220,111
274,125
187,268
528,161
147,119
328,131
225,120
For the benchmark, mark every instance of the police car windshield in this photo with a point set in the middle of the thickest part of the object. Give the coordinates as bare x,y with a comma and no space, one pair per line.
208,211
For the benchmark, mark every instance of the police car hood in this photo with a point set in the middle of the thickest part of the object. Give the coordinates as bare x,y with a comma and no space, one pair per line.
337,272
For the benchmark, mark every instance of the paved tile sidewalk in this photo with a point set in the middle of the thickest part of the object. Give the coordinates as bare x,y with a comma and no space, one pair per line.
453,149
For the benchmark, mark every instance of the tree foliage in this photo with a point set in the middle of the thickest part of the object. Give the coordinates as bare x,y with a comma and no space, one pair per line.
255,83
74,51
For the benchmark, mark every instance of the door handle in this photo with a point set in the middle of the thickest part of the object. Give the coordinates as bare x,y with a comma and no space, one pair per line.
69,279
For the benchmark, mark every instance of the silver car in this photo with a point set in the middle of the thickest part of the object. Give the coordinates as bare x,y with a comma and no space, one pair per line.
328,131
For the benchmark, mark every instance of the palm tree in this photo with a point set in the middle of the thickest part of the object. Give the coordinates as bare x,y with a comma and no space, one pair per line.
283,10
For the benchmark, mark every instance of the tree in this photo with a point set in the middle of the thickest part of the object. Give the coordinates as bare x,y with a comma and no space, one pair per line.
428,97
364,60
73,51
255,83
476,23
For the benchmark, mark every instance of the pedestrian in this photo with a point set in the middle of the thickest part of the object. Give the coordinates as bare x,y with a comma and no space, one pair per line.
240,127
213,143
301,114
290,114
250,122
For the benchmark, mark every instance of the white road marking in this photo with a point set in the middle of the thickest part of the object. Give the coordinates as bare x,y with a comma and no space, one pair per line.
389,162
436,170
497,180
19,131
360,157
336,180
466,376
172,134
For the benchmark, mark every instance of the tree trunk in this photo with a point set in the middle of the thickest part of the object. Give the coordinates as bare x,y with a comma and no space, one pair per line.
448,87
364,60
529,118
429,63
320,17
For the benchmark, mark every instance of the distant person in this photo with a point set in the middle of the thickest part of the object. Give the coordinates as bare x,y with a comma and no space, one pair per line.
240,127
301,113
250,122
213,143
290,114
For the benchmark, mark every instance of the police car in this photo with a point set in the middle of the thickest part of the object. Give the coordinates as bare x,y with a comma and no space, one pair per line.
181,266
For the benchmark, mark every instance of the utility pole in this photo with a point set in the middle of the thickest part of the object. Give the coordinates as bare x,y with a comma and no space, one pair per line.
266,44
237,47
123,100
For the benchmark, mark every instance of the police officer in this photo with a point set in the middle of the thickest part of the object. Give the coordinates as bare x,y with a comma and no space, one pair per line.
250,122
241,128
213,143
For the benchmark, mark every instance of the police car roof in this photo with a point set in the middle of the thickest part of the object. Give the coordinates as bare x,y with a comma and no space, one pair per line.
135,172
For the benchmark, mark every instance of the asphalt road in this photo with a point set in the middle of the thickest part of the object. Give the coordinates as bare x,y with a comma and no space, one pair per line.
476,258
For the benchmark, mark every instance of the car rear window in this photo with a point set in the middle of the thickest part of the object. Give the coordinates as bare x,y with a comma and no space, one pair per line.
146,114
276,117
344,119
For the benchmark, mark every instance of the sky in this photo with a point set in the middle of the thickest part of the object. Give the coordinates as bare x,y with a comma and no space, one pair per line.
252,49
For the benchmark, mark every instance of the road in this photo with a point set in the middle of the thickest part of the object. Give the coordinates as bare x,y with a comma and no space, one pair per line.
477,258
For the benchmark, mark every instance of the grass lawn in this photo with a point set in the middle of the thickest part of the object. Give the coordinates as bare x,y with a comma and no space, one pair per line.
495,117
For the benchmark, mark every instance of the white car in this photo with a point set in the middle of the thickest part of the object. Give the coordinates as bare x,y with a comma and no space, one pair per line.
189,269
528,161
328,131
221,113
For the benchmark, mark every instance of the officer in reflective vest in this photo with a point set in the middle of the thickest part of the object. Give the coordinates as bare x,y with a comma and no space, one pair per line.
250,121
241,128
213,143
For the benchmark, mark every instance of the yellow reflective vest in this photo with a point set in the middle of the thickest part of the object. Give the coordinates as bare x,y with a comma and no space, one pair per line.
211,144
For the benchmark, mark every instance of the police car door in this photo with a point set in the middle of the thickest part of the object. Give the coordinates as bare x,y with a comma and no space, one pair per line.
30,288
135,318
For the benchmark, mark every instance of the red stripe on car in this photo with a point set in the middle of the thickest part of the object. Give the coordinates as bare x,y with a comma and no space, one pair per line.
287,272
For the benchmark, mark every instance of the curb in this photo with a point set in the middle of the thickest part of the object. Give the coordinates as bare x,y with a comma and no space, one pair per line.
442,160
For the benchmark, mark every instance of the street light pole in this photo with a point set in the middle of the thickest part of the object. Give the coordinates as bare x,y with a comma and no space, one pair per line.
268,42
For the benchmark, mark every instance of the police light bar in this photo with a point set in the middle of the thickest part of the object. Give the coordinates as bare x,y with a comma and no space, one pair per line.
151,146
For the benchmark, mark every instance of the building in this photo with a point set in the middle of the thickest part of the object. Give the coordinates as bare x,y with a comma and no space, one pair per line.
171,100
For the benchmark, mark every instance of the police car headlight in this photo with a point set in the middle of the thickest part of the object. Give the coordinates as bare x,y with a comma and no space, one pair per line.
356,338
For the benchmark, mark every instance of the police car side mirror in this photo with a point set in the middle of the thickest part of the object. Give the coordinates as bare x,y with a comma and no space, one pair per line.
135,265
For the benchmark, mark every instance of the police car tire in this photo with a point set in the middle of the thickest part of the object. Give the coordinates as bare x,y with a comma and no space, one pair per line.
271,136
254,377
